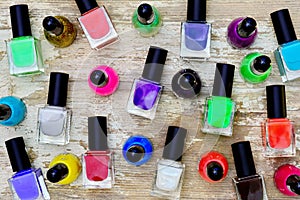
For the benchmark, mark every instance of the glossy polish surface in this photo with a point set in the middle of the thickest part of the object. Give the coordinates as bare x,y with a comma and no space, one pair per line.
96,166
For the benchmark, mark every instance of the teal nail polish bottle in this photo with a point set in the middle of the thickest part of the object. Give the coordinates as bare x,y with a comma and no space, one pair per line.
12,111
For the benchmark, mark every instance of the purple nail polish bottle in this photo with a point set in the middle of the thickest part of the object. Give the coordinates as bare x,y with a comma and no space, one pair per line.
145,92
242,32
27,182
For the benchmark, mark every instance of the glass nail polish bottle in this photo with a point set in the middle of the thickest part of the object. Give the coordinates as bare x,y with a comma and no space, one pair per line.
248,184
96,24
54,119
59,31
277,130
27,182
219,107
24,51
97,162
137,150
213,167
147,20
103,80
195,32
287,53
186,84
242,32
255,67
170,171
12,111
145,92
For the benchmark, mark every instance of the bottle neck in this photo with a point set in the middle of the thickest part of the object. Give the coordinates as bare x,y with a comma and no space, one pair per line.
145,21
5,112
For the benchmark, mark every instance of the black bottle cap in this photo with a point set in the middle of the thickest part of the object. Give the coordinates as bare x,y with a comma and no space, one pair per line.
196,11
243,159
20,22
294,183
215,171
97,130
86,5
276,104
283,26
155,61
247,27
261,63
58,89
99,78
223,80
5,112
18,156
57,173
52,25
145,11
174,144
135,153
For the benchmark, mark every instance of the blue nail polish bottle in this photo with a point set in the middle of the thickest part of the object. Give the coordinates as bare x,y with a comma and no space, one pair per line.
12,111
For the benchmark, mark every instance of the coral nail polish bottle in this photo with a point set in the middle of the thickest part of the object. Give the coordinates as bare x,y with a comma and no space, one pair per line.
97,162
145,92
147,20
255,67
213,167
27,182
59,31
24,51
12,111
287,53
103,80
219,107
170,171
248,183
54,119
277,130
96,24
195,32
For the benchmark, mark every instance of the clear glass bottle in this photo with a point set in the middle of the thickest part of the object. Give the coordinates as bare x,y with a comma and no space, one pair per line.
12,111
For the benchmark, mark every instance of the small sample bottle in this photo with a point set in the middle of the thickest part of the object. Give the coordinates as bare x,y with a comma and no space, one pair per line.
287,180
248,184
242,32
12,111
195,32
170,171
27,182
147,20
96,24
277,130
186,84
98,162
64,169
24,51
255,67
287,53
54,119
103,80
59,31
213,167
219,107
145,92
137,150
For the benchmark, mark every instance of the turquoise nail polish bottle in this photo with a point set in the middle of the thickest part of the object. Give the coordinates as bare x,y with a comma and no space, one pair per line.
12,111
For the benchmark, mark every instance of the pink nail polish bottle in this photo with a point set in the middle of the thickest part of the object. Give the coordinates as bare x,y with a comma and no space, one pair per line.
96,24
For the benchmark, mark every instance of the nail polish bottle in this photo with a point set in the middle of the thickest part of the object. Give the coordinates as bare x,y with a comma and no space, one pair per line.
23,50
147,20
213,167
103,80
59,31
219,107
96,24
170,171
277,130
54,119
195,32
97,162
145,92
12,111
255,67
137,150
286,54
186,84
242,32
248,183
287,180
27,182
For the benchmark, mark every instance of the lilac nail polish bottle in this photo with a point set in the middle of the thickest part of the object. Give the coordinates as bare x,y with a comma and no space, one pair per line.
145,92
